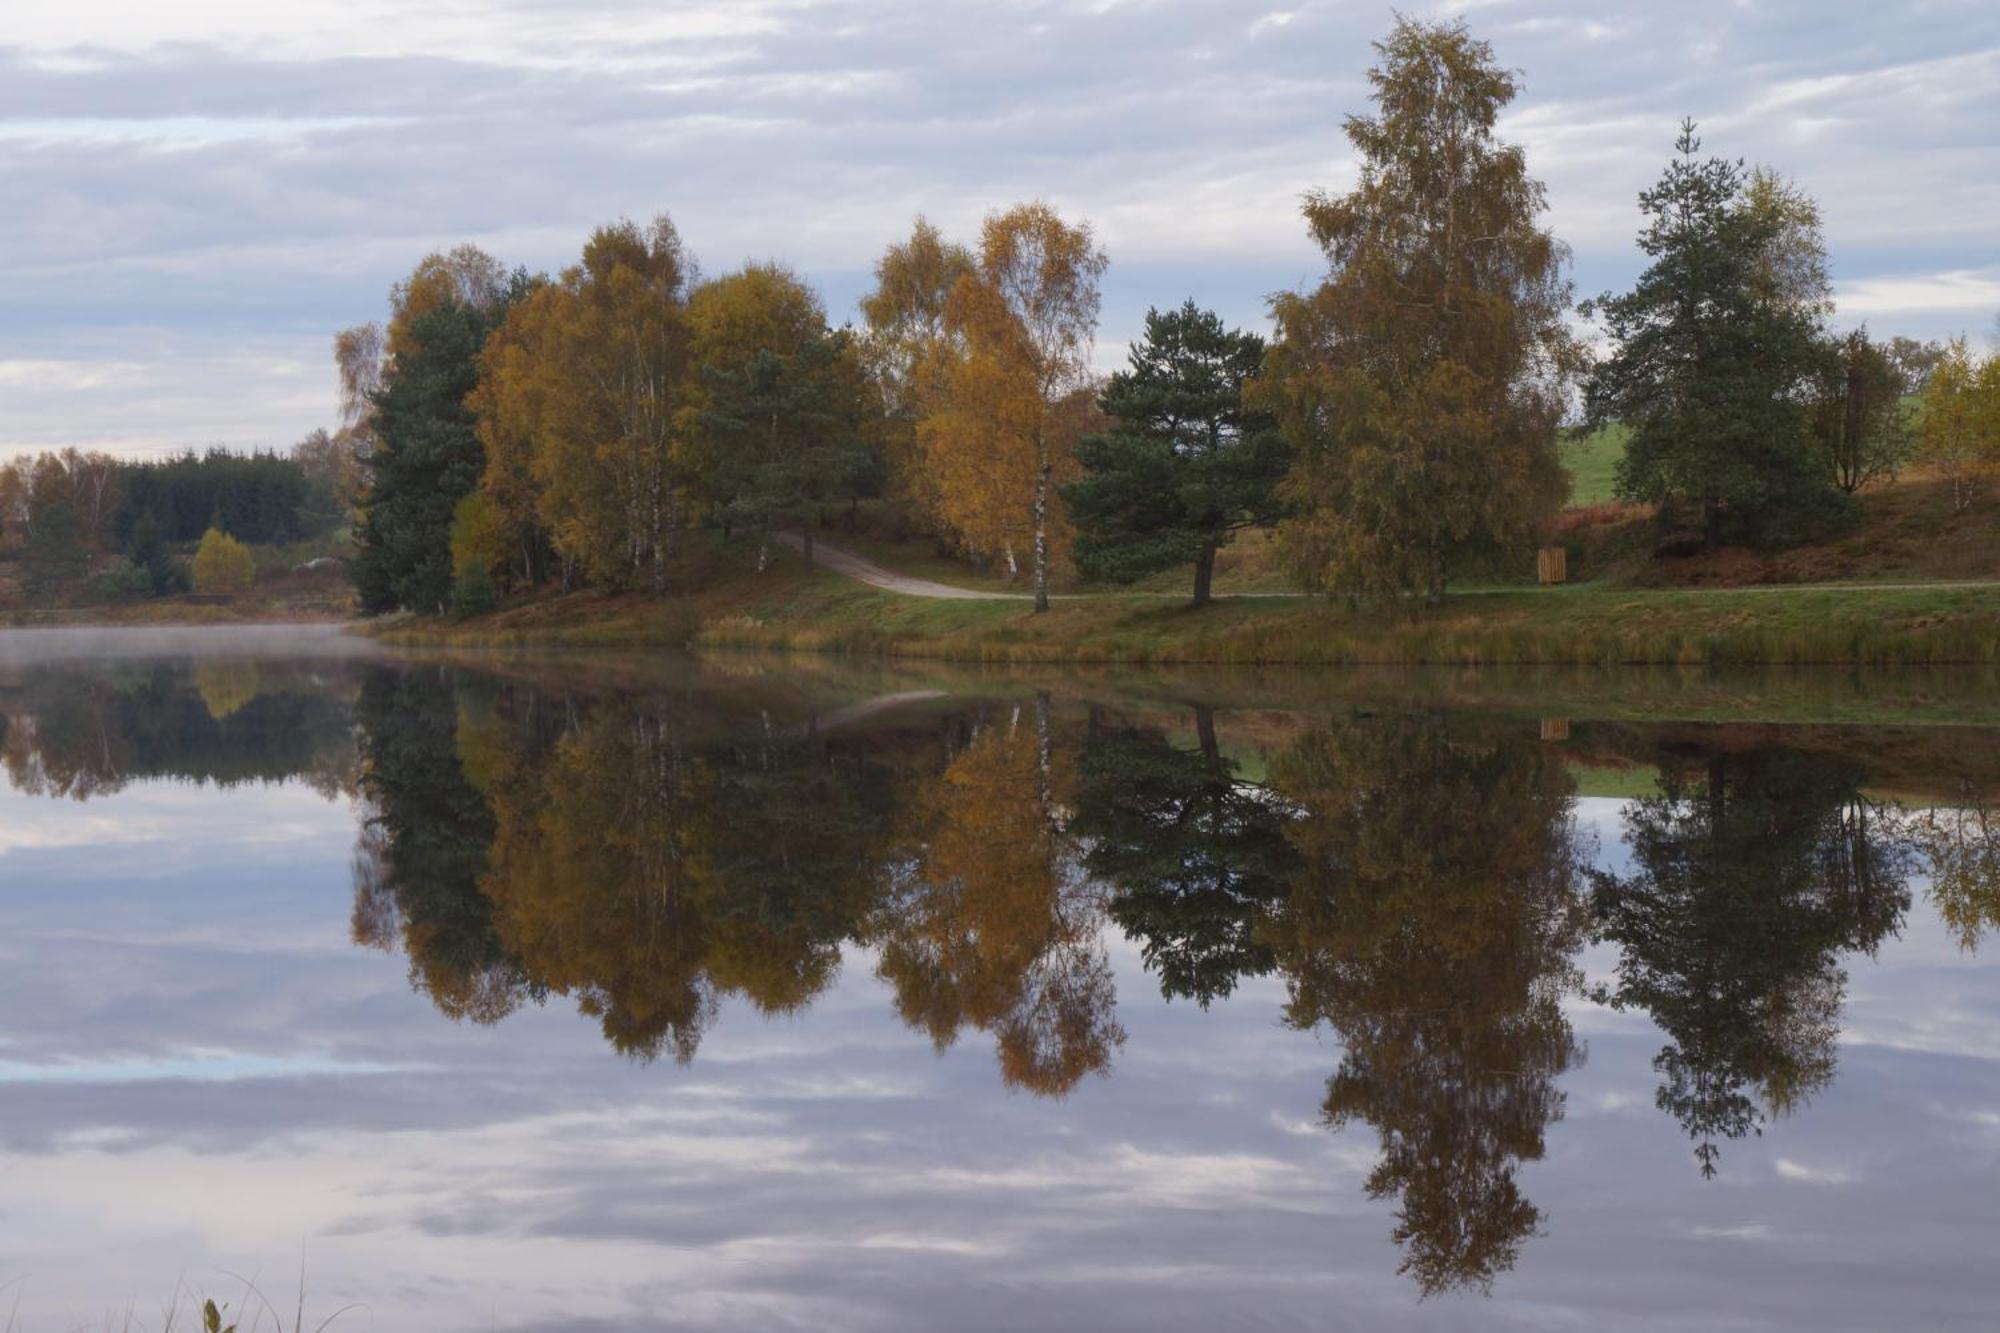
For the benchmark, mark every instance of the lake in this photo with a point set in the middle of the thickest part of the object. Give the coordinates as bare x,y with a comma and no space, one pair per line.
648,993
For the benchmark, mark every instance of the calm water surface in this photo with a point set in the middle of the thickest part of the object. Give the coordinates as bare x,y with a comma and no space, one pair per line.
732,994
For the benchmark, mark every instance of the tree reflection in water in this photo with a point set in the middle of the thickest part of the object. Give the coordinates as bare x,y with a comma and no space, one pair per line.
1753,873
1414,881
1194,854
988,919
1432,927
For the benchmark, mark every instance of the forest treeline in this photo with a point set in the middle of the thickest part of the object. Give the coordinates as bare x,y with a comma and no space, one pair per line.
101,528
577,429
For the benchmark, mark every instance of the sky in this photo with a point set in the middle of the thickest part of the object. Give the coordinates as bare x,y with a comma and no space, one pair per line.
197,195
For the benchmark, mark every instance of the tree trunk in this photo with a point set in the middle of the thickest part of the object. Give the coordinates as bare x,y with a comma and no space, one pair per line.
1042,537
1204,574
1204,727
806,543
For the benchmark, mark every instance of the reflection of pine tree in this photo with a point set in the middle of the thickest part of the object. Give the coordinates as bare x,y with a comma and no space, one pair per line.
1192,853
1432,927
431,833
1753,872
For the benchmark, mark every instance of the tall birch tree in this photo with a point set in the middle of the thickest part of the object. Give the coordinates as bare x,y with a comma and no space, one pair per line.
1421,383
1014,384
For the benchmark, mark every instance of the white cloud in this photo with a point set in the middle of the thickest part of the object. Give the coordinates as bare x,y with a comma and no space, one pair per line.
1971,290
1815,1175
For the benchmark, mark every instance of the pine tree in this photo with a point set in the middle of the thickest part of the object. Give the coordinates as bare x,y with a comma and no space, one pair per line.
1710,354
428,458
1186,466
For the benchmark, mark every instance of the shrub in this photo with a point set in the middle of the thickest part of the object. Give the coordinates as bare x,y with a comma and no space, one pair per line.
118,581
223,566
473,592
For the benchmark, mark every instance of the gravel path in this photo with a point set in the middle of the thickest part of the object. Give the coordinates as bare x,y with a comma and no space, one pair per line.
868,572
861,568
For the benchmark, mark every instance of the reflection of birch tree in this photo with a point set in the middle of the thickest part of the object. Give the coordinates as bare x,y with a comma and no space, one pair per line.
991,923
1960,848
1432,927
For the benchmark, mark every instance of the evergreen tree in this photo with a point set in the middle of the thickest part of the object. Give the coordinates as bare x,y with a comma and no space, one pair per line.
784,433
1186,465
148,551
429,457
56,553
1709,358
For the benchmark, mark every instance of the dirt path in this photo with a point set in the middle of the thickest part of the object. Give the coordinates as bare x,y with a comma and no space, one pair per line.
864,570
868,572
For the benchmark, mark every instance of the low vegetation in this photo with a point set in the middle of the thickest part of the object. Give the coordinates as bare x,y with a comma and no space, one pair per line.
85,535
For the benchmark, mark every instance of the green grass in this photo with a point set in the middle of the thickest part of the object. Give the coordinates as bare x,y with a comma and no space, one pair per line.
1592,463
1576,624
791,608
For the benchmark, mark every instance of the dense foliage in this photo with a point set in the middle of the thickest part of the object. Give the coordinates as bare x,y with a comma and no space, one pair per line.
1710,353
1421,383
579,430
70,512
428,455
261,498
1186,464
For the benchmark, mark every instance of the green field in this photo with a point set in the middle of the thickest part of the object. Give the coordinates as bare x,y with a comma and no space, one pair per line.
1592,463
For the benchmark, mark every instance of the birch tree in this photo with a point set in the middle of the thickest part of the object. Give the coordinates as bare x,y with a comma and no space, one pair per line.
1421,383
906,336
1014,384
577,405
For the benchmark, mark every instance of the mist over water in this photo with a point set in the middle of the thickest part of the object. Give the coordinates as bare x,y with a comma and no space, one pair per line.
26,647
648,991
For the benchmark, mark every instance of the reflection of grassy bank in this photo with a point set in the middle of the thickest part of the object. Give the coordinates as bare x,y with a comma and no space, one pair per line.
798,683
796,609
326,601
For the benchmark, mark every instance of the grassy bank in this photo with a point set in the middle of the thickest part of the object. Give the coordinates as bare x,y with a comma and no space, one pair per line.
795,609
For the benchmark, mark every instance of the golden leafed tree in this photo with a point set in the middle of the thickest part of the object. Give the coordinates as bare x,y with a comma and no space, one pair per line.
1421,383
464,275
576,404
1011,368
907,336
223,566
993,925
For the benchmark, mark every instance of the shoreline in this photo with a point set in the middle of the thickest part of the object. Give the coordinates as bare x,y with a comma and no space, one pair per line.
1579,625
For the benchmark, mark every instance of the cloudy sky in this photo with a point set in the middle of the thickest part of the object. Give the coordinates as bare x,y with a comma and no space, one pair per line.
196,195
